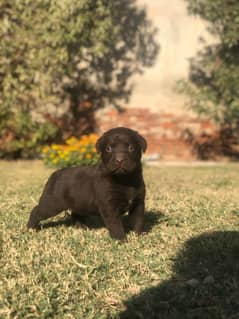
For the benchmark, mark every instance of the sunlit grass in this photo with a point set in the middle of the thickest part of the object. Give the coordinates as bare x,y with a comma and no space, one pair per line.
64,272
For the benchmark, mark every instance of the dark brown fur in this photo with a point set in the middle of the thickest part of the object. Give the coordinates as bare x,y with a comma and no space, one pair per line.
109,189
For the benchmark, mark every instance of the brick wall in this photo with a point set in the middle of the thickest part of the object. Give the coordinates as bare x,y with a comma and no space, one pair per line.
166,134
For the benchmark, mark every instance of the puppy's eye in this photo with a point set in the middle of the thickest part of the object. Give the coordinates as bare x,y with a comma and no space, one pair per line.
108,149
131,148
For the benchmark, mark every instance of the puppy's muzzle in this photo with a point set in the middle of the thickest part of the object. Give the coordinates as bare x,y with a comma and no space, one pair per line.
119,162
120,159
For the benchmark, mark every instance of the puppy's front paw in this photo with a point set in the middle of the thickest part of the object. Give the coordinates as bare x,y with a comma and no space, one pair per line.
118,235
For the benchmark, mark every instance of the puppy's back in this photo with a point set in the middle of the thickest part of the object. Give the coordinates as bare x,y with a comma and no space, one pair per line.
68,178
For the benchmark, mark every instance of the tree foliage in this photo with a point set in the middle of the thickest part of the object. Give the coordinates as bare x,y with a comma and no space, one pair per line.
67,57
213,86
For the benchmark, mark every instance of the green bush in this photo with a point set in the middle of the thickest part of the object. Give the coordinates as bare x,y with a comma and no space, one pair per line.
22,137
213,86
66,58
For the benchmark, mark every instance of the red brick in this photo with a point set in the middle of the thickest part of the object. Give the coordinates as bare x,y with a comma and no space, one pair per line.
163,131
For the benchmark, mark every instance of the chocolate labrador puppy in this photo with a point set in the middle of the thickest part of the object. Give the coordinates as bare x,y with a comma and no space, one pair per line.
110,189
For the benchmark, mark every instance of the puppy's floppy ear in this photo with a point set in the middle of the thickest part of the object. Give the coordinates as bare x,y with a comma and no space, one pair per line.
100,144
142,141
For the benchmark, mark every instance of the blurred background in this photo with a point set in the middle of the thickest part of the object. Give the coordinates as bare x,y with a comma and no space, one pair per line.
77,68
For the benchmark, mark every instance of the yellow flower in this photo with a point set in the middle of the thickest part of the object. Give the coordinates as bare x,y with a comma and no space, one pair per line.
72,140
88,156
71,148
93,137
54,147
83,150
45,149
83,137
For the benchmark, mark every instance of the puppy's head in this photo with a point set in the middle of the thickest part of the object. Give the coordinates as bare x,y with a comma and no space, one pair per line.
121,149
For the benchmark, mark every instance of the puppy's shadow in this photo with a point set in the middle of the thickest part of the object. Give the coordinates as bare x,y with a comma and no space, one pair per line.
152,218
91,222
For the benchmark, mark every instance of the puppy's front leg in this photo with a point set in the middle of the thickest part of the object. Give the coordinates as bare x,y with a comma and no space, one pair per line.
113,223
136,217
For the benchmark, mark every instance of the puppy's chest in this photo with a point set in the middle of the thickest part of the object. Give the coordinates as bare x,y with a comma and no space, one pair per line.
123,198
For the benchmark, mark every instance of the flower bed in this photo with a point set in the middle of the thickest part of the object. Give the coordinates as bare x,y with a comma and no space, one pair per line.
75,152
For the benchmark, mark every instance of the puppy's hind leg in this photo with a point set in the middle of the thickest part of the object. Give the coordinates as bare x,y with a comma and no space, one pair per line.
41,212
34,218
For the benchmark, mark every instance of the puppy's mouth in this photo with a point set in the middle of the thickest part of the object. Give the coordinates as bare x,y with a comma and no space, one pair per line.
120,170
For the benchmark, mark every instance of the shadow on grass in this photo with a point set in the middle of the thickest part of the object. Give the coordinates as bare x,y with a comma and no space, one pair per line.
95,222
205,284
91,221
153,218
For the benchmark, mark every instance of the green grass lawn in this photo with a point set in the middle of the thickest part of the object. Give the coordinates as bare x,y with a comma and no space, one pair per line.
185,266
